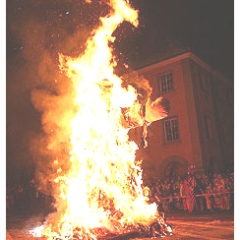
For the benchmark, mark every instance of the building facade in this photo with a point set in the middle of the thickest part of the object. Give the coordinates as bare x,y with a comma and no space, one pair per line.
200,127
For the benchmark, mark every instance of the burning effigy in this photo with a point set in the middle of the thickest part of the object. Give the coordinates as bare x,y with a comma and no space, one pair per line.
97,185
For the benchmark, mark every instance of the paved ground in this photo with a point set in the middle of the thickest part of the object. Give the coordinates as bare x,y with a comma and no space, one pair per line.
208,226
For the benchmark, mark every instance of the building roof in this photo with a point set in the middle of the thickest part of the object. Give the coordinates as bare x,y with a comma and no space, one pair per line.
156,47
159,47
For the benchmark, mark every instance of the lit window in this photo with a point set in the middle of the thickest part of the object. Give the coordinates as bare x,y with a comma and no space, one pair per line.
171,130
165,82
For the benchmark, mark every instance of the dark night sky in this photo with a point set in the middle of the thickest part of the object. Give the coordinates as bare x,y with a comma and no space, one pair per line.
207,27
36,30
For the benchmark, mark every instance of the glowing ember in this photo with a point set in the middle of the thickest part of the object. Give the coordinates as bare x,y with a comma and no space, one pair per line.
101,190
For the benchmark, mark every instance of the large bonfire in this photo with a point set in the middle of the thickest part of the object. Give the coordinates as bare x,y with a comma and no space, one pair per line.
100,191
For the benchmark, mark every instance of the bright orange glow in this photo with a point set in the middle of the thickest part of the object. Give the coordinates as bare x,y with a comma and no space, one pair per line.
103,186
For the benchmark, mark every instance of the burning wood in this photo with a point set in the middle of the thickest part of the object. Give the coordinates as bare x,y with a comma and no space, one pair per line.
97,186
158,228
144,109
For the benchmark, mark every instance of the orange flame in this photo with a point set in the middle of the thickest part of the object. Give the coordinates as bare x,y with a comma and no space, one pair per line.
103,187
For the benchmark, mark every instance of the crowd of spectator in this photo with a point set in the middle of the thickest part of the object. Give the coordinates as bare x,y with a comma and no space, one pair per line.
213,193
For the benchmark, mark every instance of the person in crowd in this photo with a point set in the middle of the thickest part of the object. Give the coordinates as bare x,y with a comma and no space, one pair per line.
216,191
189,185
182,195
209,197
199,190
224,196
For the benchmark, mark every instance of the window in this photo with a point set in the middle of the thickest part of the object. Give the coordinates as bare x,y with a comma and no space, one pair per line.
166,82
171,130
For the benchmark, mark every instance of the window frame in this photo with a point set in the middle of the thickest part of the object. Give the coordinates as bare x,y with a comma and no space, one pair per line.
171,132
167,84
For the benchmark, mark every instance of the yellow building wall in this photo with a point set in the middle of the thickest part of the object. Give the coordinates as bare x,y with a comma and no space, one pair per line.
190,103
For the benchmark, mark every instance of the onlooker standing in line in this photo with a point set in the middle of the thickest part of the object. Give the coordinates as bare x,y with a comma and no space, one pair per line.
189,185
